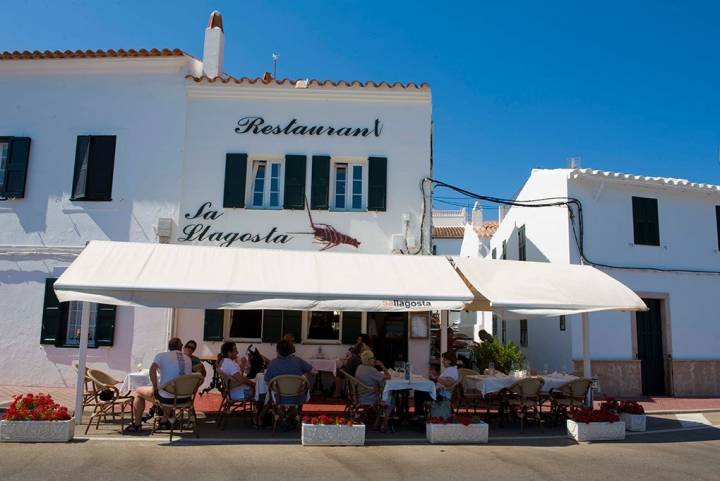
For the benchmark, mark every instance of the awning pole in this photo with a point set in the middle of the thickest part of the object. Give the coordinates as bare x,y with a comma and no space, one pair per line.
443,331
82,356
587,370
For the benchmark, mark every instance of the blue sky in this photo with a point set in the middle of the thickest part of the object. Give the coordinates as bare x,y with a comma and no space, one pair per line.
516,85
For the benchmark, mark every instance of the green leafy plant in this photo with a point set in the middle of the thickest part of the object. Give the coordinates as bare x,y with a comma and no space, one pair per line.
504,356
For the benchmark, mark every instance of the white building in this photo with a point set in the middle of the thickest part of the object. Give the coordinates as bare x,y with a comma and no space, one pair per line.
660,237
157,146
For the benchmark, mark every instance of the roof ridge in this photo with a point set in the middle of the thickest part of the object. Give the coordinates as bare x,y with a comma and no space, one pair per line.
671,181
226,79
97,53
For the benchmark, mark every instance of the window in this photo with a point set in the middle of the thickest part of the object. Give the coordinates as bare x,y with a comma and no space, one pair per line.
94,165
246,324
74,320
646,229
494,253
434,249
349,191
562,323
522,256
494,325
503,252
324,325
4,151
717,223
265,192
523,333
504,331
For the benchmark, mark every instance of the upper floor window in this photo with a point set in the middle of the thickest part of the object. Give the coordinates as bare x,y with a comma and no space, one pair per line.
14,156
717,223
4,150
503,252
349,186
94,166
523,333
646,228
494,253
522,254
266,190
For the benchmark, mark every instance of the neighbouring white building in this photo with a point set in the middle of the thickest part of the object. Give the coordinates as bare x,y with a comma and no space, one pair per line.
158,146
454,235
659,236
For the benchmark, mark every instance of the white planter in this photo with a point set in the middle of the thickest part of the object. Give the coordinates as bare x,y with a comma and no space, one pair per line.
333,435
456,433
634,422
37,431
596,431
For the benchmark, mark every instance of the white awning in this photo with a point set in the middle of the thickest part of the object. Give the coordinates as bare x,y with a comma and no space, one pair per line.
522,290
202,277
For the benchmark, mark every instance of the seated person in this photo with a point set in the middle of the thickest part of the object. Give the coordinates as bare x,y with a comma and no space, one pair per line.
230,367
197,364
351,361
171,364
287,363
448,377
291,339
368,375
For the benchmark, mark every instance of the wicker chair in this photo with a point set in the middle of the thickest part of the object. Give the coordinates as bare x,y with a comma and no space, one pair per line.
570,395
229,405
358,410
524,396
88,394
286,396
183,390
103,397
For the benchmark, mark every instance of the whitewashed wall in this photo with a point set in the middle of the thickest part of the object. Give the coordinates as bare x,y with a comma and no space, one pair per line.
141,101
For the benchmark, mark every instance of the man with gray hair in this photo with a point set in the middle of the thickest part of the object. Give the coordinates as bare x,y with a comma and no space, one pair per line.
171,364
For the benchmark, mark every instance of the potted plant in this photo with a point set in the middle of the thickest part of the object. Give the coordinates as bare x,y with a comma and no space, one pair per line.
633,415
331,431
456,430
587,424
36,418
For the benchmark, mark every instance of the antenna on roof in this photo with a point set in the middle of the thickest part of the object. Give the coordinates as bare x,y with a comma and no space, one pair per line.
574,162
275,58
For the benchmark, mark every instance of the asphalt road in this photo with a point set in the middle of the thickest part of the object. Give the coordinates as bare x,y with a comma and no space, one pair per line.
691,455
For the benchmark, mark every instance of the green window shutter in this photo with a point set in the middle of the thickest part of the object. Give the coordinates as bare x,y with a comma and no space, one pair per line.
320,187
101,167
52,315
377,183
214,323
272,326
292,324
82,159
294,197
235,176
351,327
105,325
16,168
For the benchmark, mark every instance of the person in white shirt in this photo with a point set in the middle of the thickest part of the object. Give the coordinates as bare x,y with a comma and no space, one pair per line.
447,378
229,365
171,364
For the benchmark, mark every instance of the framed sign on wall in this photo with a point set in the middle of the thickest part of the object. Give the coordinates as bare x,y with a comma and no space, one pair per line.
419,325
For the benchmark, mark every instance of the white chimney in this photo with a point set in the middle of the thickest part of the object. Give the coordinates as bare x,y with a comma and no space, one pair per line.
502,211
214,46
477,215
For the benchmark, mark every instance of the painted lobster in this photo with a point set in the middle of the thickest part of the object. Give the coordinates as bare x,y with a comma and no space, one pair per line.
327,234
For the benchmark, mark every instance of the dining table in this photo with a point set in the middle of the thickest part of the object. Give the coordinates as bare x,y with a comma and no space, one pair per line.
489,384
134,380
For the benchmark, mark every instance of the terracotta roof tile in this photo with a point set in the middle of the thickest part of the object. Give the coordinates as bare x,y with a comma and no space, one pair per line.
59,54
488,229
448,232
228,79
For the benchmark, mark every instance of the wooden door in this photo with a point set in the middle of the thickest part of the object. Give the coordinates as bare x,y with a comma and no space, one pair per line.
650,348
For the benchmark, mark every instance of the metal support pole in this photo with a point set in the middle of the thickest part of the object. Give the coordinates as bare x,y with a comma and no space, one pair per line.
443,331
82,356
587,368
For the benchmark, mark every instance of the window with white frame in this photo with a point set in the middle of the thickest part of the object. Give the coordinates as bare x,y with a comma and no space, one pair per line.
349,186
4,149
72,335
266,191
324,325
246,324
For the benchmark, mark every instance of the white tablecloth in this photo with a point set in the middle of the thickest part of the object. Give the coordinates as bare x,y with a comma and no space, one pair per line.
492,384
327,365
417,383
134,380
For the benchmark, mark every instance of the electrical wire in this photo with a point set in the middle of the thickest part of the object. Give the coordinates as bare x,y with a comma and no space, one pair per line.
578,231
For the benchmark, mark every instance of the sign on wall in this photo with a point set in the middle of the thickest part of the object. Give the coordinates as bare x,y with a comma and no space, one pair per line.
258,126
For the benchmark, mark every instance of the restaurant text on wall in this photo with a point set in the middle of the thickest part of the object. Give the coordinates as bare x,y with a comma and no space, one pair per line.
258,126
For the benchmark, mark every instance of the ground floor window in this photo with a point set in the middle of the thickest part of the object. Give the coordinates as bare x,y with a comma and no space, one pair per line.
74,320
246,324
523,333
324,325
504,331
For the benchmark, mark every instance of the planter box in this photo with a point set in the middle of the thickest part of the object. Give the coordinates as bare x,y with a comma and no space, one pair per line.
596,431
333,435
634,422
37,431
456,433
